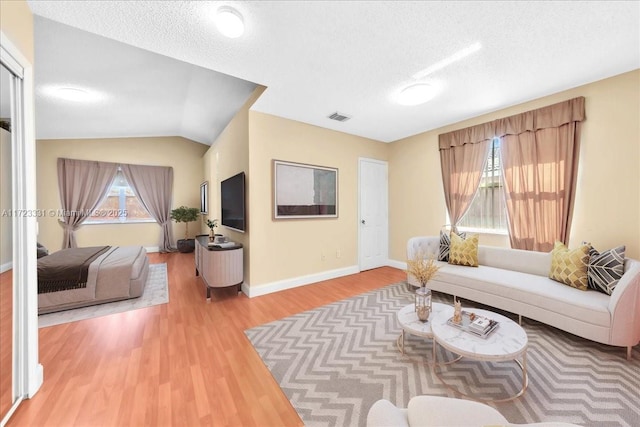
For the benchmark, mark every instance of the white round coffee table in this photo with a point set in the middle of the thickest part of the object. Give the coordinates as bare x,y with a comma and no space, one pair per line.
410,323
507,342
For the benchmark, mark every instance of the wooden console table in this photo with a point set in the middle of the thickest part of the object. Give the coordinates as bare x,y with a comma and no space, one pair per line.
219,267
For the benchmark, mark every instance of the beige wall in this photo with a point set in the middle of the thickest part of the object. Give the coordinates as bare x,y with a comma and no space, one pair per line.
292,248
607,206
16,22
229,155
6,221
185,156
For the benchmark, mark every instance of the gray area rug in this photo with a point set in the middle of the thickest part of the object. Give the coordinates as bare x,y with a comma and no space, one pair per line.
156,292
335,361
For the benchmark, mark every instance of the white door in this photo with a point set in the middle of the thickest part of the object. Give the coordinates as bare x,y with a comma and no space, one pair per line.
373,233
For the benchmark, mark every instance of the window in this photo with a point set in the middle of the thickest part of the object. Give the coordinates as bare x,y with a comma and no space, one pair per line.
120,206
488,211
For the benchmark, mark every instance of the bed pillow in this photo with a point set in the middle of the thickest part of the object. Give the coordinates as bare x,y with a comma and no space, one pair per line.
570,266
605,269
464,252
445,244
42,251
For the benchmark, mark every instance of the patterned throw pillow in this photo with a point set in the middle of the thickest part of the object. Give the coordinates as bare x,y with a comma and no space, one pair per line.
605,269
464,252
570,266
445,243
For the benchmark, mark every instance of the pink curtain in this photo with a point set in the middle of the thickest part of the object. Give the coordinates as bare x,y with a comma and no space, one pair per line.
82,184
540,162
153,185
539,152
463,155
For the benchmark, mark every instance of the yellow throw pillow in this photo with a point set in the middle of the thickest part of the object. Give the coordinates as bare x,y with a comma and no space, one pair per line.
464,252
570,266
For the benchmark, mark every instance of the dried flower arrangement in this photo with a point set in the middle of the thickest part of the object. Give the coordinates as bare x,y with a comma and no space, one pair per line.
422,267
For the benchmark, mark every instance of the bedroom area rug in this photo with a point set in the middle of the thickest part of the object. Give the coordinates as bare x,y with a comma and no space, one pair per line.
156,291
335,361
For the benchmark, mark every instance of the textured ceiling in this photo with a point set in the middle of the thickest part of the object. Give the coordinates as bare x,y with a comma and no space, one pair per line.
318,57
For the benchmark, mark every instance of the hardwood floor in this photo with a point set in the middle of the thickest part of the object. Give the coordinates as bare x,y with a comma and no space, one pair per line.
185,363
6,337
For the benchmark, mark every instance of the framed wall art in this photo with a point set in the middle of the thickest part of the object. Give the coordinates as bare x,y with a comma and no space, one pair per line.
304,191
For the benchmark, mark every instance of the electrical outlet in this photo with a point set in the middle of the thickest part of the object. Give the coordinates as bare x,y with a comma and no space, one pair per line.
338,253
322,257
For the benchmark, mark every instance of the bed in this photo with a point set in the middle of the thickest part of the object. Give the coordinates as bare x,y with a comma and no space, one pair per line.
79,277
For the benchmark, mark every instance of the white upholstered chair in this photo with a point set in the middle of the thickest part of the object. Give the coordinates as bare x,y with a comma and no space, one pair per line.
432,411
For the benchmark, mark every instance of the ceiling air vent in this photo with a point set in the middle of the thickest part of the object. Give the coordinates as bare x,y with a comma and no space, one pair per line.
339,117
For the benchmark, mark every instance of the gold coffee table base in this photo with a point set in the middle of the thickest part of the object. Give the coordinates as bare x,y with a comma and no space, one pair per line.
400,345
400,342
415,359
522,365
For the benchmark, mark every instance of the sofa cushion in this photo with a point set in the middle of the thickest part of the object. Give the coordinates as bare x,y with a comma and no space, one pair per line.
445,243
605,269
531,262
527,289
569,266
464,252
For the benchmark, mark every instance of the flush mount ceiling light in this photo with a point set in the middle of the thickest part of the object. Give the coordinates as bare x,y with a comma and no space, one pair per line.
229,22
416,94
419,93
73,94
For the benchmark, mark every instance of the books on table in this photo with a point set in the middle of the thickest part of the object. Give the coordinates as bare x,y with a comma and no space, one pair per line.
480,325
476,325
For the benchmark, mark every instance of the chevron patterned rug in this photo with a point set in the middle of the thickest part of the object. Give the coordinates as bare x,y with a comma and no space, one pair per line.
335,361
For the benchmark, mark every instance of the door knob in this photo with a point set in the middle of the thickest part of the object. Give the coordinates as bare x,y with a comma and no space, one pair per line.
362,221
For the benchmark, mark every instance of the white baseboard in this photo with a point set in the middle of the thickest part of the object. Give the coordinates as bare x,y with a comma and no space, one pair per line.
151,249
281,285
6,266
36,380
397,264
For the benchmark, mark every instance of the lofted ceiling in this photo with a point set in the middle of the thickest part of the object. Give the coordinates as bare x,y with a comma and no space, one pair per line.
138,93
317,58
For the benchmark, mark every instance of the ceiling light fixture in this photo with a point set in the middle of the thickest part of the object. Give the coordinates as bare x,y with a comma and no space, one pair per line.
448,61
416,94
229,22
73,94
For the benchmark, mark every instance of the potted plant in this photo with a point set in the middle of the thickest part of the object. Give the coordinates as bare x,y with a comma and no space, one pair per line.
186,215
212,225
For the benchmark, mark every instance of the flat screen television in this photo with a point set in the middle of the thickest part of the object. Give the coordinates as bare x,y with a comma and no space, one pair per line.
232,202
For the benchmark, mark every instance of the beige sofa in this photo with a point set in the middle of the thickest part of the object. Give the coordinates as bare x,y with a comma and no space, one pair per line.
517,281
432,411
